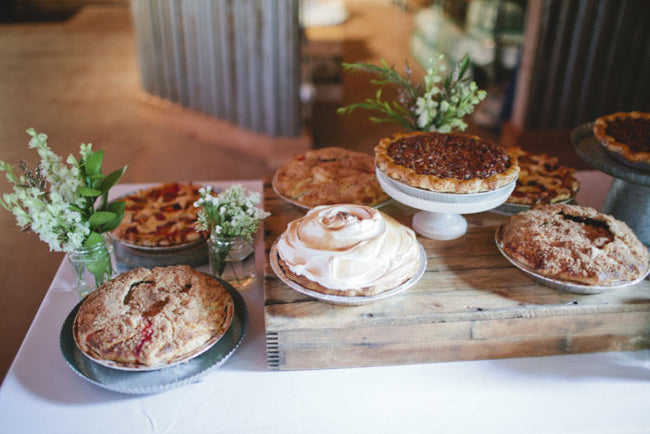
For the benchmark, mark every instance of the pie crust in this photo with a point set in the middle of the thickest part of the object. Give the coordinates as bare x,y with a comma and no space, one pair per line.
625,133
329,176
146,318
160,216
574,244
451,163
542,180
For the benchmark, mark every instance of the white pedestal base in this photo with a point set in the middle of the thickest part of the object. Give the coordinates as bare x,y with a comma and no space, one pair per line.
439,226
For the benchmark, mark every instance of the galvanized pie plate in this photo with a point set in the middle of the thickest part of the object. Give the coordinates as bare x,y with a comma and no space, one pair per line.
342,299
563,285
162,379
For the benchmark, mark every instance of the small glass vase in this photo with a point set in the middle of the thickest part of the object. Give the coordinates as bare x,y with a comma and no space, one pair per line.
92,266
233,260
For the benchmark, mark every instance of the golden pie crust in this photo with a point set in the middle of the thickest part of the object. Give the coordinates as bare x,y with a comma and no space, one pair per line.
625,133
575,244
330,176
542,180
450,163
160,216
146,318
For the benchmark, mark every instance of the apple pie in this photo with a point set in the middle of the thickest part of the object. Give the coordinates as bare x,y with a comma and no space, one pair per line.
328,176
451,163
150,318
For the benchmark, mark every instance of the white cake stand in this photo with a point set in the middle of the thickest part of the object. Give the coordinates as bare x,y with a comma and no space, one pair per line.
440,218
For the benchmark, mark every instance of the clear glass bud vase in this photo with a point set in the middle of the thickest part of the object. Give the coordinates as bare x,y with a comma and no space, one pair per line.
92,266
233,260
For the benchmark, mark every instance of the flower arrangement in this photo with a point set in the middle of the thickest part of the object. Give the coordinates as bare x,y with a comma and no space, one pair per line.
65,203
439,104
230,216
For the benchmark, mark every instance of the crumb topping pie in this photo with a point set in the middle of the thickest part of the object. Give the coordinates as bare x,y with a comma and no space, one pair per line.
625,133
542,179
328,176
152,317
574,244
452,162
162,215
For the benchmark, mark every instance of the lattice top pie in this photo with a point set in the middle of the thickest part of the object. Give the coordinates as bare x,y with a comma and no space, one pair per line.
329,176
163,215
152,317
627,134
574,244
453,162
542,179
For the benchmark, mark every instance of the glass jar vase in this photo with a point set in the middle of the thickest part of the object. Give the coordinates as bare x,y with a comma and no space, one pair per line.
233,260
92,266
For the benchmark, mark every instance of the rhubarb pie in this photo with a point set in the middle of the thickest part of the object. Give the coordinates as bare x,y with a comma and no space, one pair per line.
625,134
542,179
348,250
162,215
452,163
328,176
150,318
574,244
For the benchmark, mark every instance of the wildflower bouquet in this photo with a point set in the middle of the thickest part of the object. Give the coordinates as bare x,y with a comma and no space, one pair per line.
437,105
229,216
66,204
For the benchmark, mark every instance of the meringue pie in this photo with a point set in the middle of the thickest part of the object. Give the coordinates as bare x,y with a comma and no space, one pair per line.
348,250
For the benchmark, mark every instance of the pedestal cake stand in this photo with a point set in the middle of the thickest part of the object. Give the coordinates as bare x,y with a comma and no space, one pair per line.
628,198
441,217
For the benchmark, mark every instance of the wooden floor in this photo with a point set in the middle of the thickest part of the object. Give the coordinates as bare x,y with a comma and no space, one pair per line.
78,81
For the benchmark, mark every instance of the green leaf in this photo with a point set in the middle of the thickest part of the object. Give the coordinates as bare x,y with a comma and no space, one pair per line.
118,209
100,217
89,192
93,239
94,163
112,179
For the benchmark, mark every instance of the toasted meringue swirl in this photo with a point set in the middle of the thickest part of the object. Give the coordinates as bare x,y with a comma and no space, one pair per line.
346,247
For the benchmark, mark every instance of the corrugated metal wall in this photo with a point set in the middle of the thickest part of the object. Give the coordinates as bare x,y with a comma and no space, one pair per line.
237,60
592,58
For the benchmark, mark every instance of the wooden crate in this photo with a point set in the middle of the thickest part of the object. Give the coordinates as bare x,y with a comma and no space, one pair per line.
470,304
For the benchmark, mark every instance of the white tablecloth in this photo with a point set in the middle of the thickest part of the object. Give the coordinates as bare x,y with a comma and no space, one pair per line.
590,393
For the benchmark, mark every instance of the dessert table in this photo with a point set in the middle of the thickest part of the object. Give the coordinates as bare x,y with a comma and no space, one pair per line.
586,393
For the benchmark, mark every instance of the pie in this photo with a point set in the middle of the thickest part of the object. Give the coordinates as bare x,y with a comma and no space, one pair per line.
451,163
575,244
348,250
148,318
625,134
163,215
542,179
328,176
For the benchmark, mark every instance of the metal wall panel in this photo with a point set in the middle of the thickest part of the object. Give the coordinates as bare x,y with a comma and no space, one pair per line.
237,60
592,58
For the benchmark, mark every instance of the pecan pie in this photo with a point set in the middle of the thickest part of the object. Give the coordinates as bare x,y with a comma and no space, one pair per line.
542,179
348,250
153,317
453,162
163,215
329,176
627,134
574,244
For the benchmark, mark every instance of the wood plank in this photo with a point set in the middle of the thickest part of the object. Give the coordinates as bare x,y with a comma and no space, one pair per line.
470,304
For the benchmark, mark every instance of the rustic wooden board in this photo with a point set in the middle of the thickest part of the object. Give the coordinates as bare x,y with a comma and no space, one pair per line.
470,304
